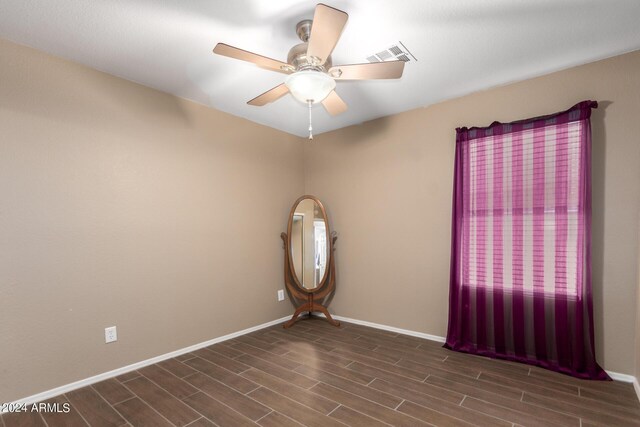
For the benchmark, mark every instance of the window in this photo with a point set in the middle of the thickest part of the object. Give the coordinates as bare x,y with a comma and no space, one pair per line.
521,226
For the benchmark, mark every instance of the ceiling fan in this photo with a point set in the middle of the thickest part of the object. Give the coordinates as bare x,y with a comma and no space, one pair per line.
311,75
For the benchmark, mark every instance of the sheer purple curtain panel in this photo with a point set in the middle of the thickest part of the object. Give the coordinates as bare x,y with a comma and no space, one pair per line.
520,284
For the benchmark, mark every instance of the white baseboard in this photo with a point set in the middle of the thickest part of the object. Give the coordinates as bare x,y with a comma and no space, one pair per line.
391,329
114,373
625,378
614,375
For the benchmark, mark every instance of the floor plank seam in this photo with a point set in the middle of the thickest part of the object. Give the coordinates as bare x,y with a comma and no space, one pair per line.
152,408
105,399
122,401
352,362
265,415
390,372
191,395
310,387
110,405
532,405
236,357
129,379
375,403
334,409
361,397
398,405
579,417
462,401
194,421
120,413
233,409
243,371
166,390
458,418
171,373
116,409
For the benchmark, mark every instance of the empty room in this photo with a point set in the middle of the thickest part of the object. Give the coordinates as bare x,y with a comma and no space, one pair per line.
292,213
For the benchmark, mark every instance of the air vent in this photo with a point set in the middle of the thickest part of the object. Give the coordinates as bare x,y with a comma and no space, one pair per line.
395,52
384,55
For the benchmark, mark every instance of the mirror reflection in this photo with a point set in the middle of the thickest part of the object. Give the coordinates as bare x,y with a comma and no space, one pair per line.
309,251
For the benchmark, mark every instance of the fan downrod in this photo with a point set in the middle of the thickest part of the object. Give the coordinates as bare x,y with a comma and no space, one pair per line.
303,29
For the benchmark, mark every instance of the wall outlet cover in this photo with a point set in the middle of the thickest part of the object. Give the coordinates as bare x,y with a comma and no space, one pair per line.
281,295
110,334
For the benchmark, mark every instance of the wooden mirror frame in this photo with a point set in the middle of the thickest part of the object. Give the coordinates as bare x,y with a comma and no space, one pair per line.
309,300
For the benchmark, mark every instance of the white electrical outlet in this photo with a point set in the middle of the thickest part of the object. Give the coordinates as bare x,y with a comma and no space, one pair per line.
281,295
110,334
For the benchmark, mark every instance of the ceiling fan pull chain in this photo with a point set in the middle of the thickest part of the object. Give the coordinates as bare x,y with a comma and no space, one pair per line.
309,102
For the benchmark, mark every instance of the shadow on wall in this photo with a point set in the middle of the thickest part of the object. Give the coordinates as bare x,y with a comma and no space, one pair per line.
598,160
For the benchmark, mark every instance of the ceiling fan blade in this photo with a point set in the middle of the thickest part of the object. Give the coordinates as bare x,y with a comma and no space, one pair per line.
334,104
368,71
259,60
325,31
269,96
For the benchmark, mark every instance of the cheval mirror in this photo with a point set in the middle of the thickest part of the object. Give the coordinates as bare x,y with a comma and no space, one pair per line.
309,266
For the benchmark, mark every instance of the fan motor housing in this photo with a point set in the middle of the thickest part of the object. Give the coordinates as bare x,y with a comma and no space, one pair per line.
297,56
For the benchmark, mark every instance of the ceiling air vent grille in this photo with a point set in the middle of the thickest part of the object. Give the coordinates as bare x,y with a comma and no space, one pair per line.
384,55
395,52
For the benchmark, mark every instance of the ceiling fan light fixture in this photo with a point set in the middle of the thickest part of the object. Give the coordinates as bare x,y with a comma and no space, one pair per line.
309,85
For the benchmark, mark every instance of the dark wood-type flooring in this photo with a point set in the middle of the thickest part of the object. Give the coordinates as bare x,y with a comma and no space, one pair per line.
316,375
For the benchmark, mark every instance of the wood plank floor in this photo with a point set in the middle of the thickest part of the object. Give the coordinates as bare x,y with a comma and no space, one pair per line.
316,375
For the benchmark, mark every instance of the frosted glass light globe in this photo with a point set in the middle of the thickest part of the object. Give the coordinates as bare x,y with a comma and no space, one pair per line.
310,85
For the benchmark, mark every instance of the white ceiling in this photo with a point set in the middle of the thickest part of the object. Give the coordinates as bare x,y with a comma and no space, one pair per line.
462,46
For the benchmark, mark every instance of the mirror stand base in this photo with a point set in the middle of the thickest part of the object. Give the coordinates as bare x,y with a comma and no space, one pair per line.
310,308
297,315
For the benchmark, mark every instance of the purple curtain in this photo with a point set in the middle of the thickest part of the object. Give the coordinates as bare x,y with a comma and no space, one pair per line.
521,243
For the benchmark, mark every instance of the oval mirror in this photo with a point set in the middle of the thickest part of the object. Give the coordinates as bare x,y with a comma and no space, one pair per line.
309,243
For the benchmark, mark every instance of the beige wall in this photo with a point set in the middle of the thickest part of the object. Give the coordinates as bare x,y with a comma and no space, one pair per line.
637,349
121,205
387,185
